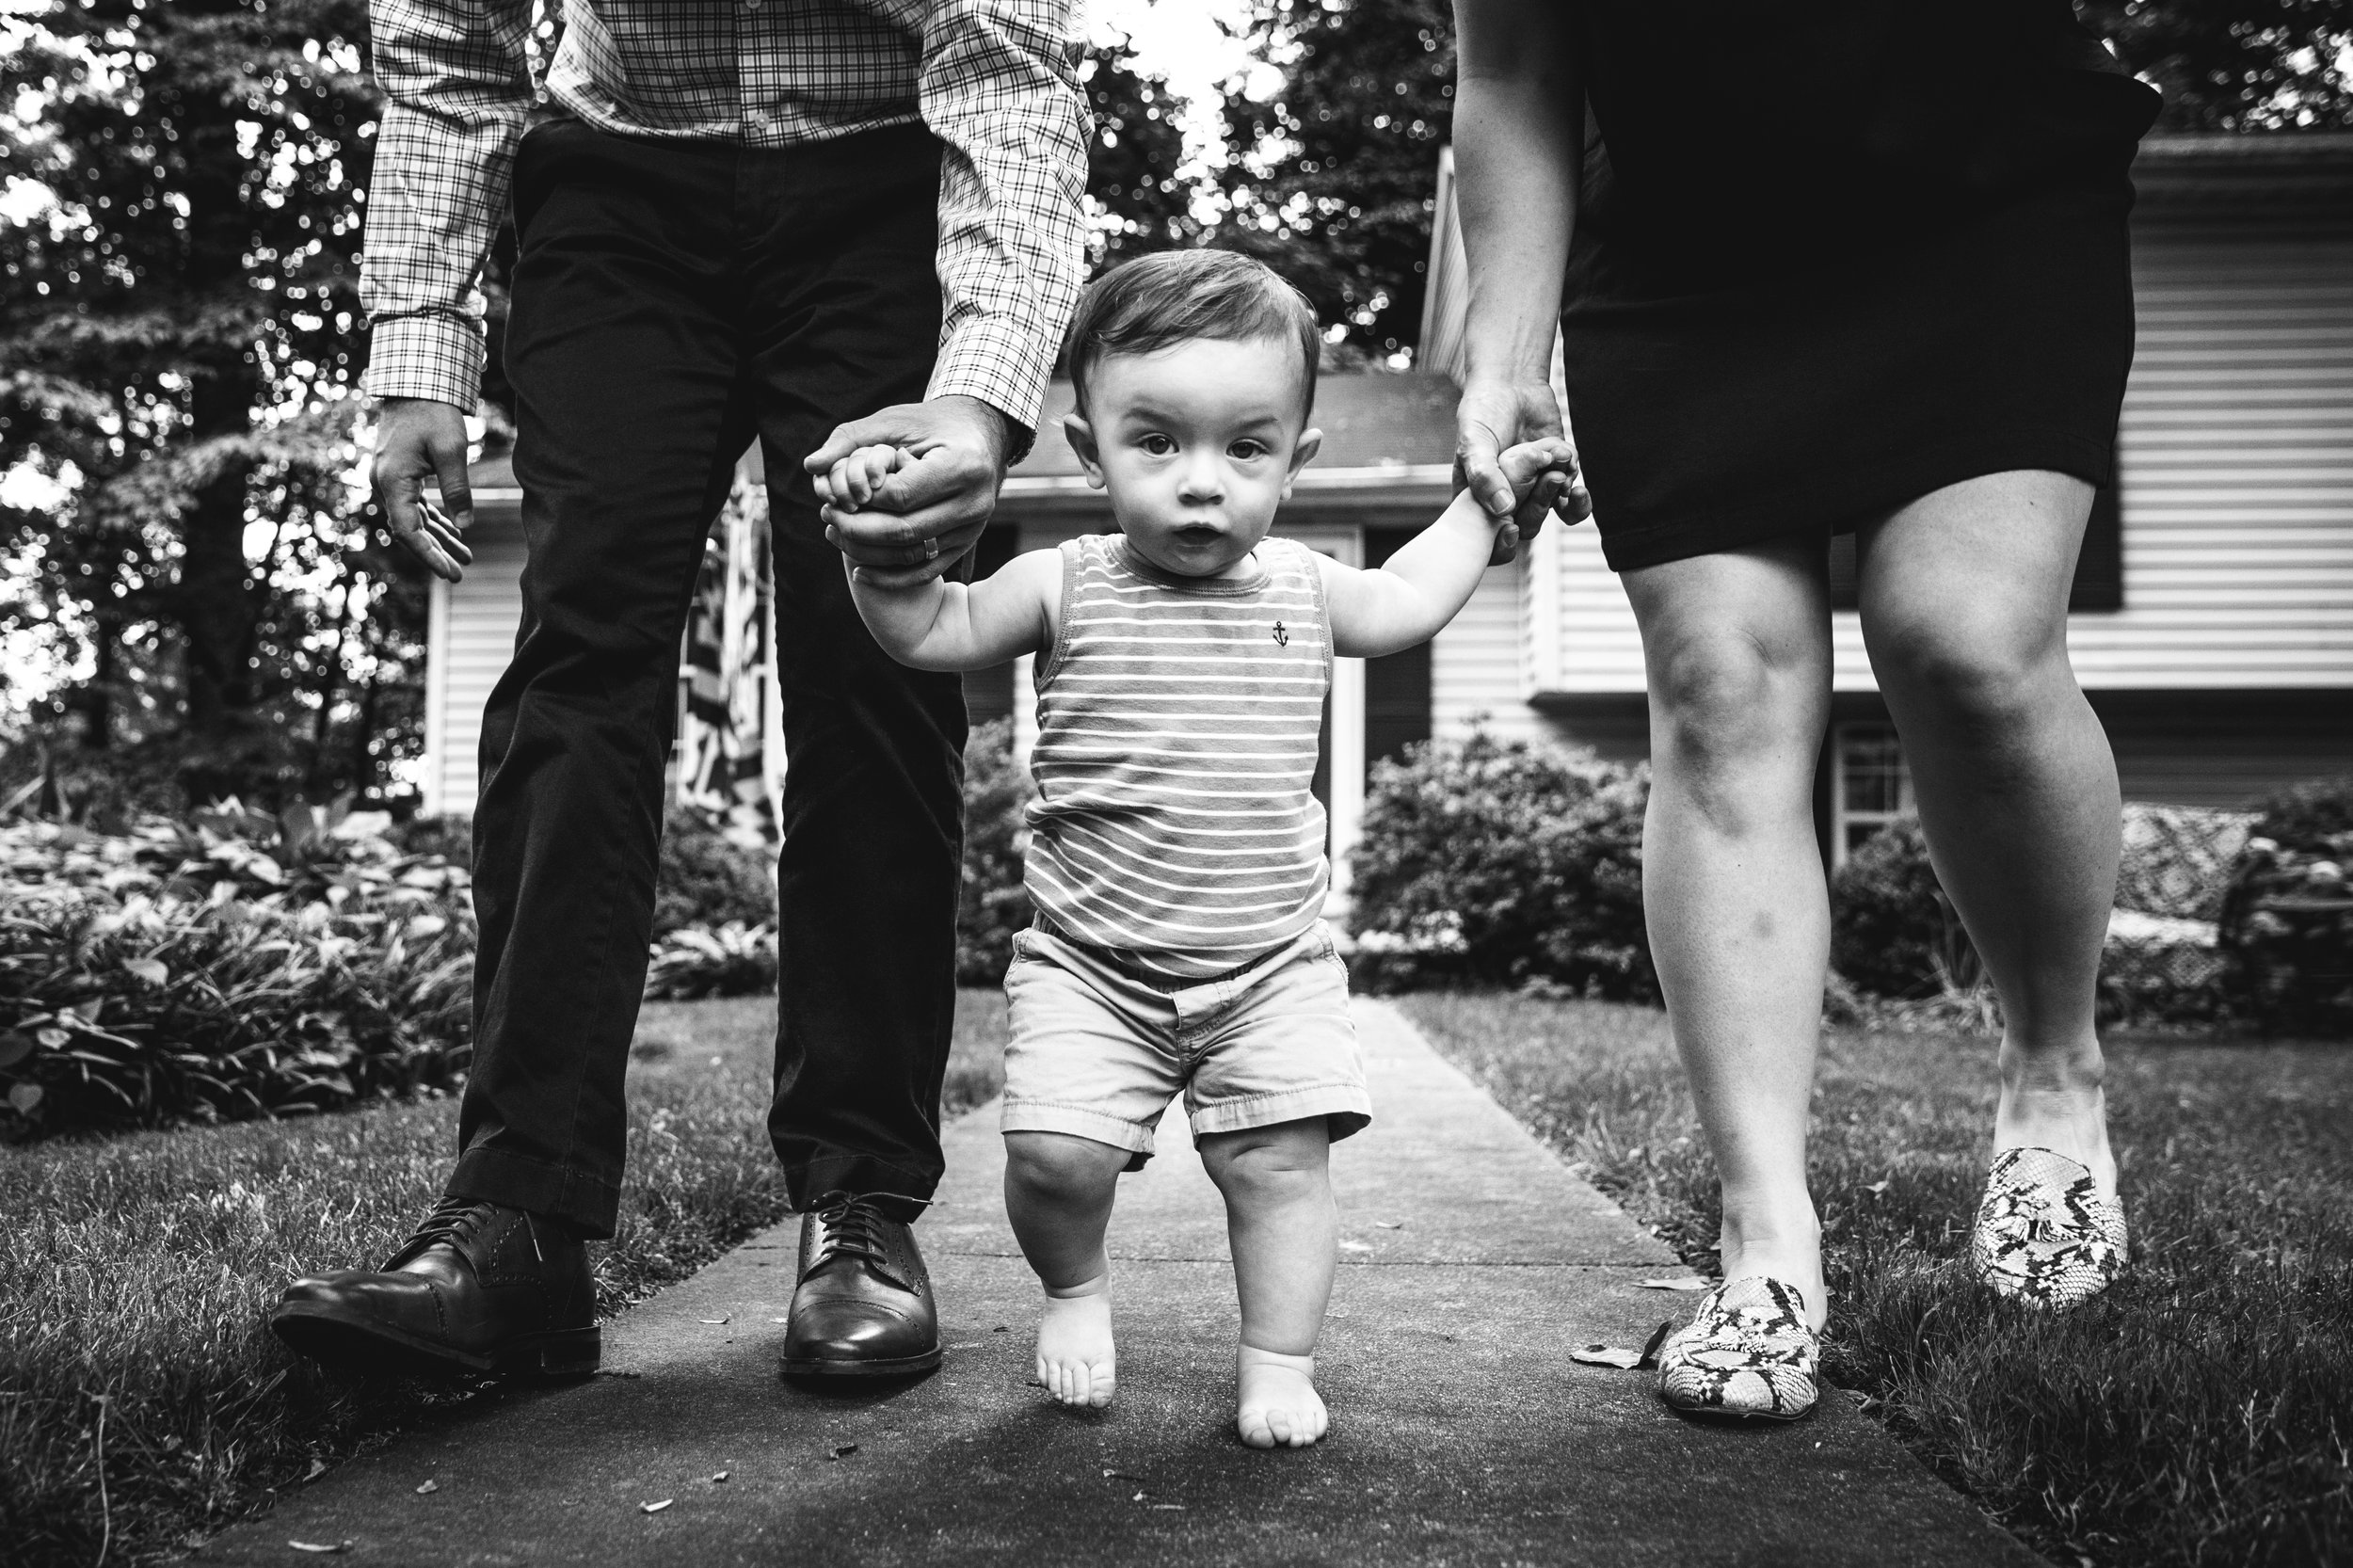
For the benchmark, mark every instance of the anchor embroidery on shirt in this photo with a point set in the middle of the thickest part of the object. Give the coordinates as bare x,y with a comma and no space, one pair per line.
1281,638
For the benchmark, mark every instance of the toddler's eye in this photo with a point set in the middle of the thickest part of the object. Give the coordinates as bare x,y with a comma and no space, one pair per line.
1245,451
1158,446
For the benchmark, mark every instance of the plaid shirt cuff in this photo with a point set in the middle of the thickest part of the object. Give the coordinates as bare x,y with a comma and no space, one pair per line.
438,357
1004,363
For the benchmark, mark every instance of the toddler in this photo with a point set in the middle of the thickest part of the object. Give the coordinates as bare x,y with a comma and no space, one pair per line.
1177,857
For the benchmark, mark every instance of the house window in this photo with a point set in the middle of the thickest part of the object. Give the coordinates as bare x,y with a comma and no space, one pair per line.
1870,787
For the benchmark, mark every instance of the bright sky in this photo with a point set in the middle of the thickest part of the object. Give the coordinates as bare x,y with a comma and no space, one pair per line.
1197,44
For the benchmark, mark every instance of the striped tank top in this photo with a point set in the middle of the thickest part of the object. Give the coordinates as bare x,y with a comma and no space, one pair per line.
1178,727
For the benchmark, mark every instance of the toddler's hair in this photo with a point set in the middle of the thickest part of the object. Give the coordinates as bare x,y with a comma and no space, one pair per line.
1173,297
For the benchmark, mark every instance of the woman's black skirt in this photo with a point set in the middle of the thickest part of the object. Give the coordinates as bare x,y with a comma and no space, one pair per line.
1819,397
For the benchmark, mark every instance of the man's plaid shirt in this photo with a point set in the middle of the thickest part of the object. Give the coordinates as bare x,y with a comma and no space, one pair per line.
989,78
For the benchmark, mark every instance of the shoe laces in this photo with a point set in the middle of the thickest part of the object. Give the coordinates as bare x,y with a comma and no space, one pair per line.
456,1221
854,1229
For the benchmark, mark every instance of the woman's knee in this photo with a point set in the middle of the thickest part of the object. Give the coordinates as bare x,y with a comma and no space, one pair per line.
1987,665
1733,712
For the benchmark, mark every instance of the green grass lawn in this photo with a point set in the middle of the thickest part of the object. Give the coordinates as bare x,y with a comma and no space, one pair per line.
2201,1412
135,1273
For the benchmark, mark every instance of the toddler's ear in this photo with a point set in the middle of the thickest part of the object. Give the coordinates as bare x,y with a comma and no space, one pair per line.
1081,438
1310,442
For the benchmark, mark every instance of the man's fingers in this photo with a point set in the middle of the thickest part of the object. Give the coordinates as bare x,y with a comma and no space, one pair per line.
444,532
873,538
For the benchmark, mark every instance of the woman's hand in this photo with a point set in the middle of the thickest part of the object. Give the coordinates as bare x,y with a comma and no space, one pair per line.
1493,416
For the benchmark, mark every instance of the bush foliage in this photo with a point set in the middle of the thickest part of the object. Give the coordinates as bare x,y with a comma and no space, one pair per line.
236,966
1499,861
706,879
2289,919
993,905
1893,930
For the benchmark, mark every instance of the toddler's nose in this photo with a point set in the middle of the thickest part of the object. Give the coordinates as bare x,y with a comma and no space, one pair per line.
1201,483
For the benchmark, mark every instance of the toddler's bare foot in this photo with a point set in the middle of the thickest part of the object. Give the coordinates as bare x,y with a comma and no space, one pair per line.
1280,1406
1075,1357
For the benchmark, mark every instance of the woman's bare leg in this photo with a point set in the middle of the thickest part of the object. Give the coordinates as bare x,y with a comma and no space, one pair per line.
1737,647
1964,610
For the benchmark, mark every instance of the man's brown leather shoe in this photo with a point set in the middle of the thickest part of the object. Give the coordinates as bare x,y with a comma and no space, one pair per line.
863,1308
480,1287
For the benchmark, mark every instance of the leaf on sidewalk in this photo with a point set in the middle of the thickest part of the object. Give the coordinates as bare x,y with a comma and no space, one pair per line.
1121,1475
329,1548
722,1475
318,1469
655,1507
715,1319
1390,1224
1618,1355
428,1488
1672,1283
1608,1355
844,1451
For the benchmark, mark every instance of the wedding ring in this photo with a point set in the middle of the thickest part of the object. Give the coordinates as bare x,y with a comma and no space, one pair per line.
931,550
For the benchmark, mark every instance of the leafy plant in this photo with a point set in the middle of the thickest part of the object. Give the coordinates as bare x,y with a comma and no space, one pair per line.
1893,930
706,879
690,963
1501,861
2311,818
993,905
2289,919
233,966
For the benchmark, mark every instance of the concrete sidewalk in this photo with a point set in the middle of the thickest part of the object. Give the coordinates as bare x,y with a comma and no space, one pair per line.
1461,1432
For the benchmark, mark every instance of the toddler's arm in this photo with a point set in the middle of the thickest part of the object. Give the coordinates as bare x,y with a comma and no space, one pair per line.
1424,585
940,625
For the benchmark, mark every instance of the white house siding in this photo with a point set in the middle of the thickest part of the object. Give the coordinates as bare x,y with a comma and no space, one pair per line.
473,637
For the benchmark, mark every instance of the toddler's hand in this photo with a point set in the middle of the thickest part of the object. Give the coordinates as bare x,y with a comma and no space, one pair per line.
850,483
1540,472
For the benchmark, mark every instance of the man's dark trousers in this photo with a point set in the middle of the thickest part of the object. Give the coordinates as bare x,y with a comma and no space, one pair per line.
671,300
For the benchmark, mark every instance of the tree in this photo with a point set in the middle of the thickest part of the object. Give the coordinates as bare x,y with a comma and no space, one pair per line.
1136,203
181,347
2237,65
1333,179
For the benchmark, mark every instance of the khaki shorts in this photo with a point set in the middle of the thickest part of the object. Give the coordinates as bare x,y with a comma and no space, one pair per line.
1099,1053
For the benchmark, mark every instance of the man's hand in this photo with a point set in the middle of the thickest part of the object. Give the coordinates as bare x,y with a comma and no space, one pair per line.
416,437
920,520
1495,415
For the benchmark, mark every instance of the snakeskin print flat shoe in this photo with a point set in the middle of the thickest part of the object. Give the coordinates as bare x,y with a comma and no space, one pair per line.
2044,1235
1747,1352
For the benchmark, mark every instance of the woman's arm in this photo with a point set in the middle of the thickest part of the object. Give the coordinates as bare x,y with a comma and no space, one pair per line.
1519,134
1409,598
950,626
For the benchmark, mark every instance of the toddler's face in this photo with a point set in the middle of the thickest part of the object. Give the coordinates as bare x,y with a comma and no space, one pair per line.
1196,445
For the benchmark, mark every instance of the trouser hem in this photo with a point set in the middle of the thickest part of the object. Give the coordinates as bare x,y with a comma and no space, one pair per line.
900,1192
587,1203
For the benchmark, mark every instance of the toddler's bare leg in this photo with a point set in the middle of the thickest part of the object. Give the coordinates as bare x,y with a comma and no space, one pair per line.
1285,1234
1057,1193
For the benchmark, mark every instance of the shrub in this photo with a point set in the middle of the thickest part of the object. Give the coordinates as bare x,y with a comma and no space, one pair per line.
2311,818
689,964
708,879
206,971
1502,861
2289,922
993,905
1893,930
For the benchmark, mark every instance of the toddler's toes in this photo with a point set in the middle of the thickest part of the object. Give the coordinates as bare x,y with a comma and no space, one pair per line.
1279,1406
1077,1360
